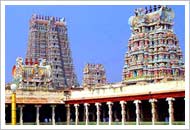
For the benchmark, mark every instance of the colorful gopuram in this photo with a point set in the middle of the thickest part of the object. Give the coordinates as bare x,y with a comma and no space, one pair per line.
32,76
48,39
153,52
94,74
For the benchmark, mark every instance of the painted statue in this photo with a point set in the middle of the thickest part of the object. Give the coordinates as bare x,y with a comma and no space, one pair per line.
33,73
17,71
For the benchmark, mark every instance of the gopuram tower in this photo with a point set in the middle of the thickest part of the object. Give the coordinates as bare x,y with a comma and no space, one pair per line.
153,52
94,75
48,39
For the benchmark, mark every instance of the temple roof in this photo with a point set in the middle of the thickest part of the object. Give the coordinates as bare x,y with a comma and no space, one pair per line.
163,15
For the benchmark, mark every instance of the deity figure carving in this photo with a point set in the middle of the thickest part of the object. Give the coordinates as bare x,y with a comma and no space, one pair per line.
17,71
37,73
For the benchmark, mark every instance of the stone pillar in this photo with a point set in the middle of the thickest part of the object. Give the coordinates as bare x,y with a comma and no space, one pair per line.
21,114
110,111
68,113
153,110
86,112
98,113
53,114
76,114
136,102
170,109
37,114
123,112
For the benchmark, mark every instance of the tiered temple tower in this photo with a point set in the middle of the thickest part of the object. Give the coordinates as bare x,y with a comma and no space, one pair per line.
153,48
94,74
48,39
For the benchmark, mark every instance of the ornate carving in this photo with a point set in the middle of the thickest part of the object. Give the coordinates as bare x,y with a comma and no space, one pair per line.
33,73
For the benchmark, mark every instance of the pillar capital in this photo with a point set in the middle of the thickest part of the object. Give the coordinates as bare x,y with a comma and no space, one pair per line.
86,104
123,102
137,101
76,105
109,103
98,104
53,106
152,100
21,105
38,106
170,99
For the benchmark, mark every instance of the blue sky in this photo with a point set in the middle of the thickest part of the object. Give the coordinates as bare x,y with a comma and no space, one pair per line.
97,34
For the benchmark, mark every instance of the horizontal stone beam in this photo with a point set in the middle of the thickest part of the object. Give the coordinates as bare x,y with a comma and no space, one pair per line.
128,98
